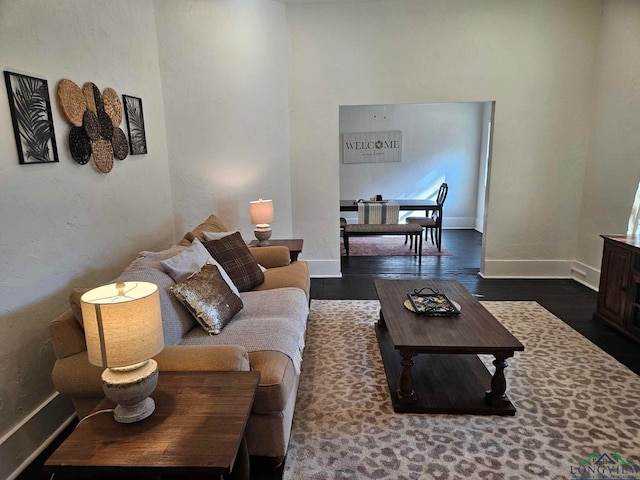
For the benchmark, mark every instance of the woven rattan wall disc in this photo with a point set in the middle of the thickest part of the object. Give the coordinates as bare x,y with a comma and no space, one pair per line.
120,144
102,155
93,96
106,127
80,145
72,101
87,91
112,106
91,125
97,98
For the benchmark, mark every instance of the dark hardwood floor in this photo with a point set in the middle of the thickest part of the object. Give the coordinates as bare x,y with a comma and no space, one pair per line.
567,299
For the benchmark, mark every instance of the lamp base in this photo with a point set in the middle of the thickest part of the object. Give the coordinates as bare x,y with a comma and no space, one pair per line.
263,234
134,413
130,388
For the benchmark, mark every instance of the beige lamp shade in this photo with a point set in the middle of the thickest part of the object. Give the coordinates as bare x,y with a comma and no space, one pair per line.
122,323
261,211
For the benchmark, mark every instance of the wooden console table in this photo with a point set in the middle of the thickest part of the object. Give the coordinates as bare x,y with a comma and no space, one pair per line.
619,292
196,429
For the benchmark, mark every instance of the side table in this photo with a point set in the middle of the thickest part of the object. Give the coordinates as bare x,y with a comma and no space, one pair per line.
196,429
293,244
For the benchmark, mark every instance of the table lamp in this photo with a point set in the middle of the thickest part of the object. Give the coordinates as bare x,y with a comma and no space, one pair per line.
123,328
261,212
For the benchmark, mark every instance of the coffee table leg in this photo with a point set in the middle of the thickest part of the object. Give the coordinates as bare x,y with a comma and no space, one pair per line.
381,321
241,469
497,396
406,394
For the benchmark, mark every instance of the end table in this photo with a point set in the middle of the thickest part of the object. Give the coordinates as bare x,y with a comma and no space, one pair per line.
197,428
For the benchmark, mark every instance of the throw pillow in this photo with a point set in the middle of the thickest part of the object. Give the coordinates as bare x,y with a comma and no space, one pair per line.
190,260
233,254
209,299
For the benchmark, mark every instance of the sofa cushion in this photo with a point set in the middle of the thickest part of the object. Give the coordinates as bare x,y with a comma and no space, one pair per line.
275,317
176,319
234,256
208,297
211,224
274,320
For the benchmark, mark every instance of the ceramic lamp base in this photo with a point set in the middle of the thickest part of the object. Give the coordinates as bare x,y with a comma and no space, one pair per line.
134,413
130,388
263,234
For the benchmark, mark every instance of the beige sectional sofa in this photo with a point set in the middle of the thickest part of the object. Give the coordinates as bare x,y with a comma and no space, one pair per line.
273,317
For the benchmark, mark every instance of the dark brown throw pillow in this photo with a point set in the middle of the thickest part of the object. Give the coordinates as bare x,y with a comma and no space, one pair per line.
233,254
209,299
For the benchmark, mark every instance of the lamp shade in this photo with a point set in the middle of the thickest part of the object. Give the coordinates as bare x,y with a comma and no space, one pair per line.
261,211
122,323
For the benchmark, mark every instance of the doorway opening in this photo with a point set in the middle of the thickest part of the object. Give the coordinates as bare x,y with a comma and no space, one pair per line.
439,143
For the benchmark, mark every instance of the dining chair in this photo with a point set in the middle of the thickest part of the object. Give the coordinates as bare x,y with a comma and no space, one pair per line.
432,223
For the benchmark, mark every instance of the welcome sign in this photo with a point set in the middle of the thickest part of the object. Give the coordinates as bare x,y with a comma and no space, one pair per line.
372,147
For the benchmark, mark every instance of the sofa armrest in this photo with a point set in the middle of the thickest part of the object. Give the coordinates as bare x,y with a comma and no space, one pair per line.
271,257
295,274
67,336
76,377
210,358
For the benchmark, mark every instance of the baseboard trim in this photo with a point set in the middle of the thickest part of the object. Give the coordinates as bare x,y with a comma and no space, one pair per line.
324,268
527,269
24,442
586,275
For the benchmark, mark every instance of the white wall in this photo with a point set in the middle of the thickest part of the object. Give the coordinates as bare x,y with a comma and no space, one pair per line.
534,58
613,170
440,143
224,78
483,171
66,225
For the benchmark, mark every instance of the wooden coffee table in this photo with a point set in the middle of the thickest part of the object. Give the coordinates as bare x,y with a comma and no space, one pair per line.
432,363
196,429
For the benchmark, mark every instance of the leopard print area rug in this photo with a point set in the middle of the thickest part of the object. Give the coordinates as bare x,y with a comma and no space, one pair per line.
573,400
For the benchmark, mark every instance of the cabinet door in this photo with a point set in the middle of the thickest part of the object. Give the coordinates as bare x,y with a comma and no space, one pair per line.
614,282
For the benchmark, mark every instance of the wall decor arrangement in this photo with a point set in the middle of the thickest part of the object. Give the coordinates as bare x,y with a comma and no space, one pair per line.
32,120
372,147
95,120
135,124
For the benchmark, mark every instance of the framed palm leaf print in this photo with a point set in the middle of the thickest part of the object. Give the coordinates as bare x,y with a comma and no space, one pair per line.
32,120
135,125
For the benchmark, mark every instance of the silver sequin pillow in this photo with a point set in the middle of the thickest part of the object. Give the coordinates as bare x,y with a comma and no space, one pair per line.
209,299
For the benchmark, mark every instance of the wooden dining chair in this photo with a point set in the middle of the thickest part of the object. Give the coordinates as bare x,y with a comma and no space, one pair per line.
432,223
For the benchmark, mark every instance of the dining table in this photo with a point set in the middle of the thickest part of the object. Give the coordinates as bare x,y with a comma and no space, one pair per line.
409,204
406,204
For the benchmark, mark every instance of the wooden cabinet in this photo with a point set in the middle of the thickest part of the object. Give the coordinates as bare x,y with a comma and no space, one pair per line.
619,293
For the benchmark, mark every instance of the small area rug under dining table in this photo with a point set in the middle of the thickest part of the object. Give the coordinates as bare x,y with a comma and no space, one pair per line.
390,245
574,404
